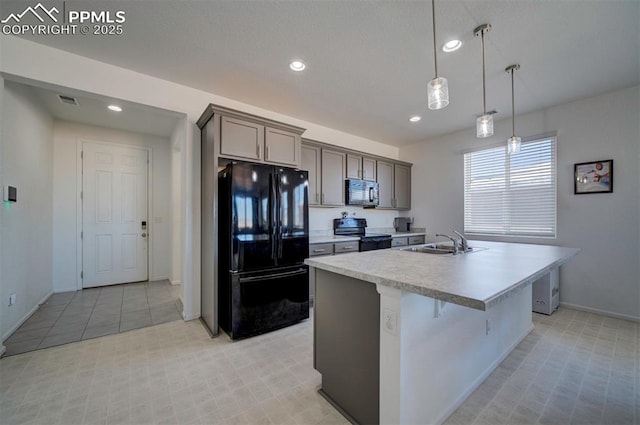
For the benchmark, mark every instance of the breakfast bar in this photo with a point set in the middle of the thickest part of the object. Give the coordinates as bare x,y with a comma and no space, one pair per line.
404,337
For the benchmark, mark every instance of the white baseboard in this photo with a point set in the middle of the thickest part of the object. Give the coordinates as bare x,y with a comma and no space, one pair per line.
25,317
175,282
60,290
481,378
602,312
155,278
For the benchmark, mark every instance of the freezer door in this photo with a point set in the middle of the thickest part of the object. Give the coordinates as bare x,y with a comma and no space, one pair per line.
265,301
292,216
252,217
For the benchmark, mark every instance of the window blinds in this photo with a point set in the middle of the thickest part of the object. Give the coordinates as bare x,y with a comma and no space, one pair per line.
511,195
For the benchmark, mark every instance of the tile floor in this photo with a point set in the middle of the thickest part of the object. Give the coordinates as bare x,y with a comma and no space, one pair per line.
73,316
574,368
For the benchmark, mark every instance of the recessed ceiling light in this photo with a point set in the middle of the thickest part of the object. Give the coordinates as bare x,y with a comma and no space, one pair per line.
415,118
297,65
451,46
115,108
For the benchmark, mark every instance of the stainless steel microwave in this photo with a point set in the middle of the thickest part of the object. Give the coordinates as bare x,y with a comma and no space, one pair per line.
363,193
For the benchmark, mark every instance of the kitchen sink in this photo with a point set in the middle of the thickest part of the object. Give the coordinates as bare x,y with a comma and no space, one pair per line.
440,249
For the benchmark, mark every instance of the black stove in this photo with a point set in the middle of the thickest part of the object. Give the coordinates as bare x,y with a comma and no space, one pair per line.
350,226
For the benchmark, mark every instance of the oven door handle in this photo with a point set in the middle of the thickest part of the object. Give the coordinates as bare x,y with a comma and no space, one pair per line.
272,276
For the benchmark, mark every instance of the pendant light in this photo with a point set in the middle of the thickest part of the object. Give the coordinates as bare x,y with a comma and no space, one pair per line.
484,123
513,142
438,88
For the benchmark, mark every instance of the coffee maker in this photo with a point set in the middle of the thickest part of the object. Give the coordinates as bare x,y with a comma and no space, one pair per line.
403,224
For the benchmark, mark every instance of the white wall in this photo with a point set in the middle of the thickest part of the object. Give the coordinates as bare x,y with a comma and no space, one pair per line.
27,227
22,60
177,141
605,276
65,191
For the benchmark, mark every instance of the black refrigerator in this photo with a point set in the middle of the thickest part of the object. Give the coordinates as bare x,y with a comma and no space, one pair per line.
263,236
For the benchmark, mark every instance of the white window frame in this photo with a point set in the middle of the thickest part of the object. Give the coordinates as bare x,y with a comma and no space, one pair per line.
503,211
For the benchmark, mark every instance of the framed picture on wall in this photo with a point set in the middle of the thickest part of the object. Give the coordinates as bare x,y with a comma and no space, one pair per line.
593,177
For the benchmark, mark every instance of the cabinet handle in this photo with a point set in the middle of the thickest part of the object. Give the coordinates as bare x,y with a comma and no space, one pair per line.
317,197
347,248
258,150
266,153
322,198
319,250
359,174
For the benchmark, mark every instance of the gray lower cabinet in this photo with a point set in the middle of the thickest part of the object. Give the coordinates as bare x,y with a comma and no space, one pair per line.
399,241
318,249
344,247
332,176
416,240
311,162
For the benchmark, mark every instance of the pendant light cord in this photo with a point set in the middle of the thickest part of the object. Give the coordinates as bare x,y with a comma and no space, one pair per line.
513,108
433,16
484,84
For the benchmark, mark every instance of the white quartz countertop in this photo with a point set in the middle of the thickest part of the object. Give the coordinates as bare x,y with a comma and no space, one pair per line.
477,280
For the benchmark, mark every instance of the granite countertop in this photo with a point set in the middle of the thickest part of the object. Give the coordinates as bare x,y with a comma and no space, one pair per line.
477,280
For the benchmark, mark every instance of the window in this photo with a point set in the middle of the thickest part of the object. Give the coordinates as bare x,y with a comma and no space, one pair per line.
511,195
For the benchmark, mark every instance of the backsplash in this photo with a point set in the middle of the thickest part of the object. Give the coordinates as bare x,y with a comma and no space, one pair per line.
321,219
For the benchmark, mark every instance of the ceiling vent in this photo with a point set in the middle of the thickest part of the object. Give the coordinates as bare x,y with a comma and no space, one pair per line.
68,100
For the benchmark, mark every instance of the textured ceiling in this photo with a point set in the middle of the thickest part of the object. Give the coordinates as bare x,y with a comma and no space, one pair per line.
369,61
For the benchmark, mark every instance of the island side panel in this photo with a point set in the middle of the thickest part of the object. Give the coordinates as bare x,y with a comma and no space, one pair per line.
347,344
445,358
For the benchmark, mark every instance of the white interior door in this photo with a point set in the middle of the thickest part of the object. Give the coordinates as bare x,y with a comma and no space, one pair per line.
114,214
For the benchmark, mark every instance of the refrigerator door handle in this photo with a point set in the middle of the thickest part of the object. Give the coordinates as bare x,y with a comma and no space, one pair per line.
273,203
280,232
272,276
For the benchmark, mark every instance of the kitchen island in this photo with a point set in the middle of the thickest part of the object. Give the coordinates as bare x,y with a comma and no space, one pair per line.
405,337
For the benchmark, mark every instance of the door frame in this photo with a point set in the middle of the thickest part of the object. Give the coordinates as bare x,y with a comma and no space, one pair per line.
79,217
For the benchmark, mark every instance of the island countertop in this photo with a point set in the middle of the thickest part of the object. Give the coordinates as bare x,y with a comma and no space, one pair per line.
477,279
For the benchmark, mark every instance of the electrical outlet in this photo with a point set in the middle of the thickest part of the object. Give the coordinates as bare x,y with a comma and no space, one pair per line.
12,299
390,321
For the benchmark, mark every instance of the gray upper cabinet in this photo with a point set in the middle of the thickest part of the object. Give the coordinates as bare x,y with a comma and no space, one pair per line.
311,163
252,138
369,169
385,182
241,139
354,166
402,186
395,185
281,146
361,167
333,175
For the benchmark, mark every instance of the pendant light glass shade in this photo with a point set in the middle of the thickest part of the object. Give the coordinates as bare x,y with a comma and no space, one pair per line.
438,88
438,93
513,144
484,126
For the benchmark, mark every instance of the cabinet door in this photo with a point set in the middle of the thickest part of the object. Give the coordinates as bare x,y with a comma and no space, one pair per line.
241,139
368,169
311,163
402,186
385,181
344,247
318,249
281,146
399,242
354,166
333,176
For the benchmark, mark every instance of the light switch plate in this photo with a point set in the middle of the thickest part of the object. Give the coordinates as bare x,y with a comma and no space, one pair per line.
10,193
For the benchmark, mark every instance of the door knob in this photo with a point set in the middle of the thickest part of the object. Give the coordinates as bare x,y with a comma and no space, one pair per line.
144,235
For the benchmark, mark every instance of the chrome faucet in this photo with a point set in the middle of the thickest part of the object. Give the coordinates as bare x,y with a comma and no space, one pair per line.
454,240
464,245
